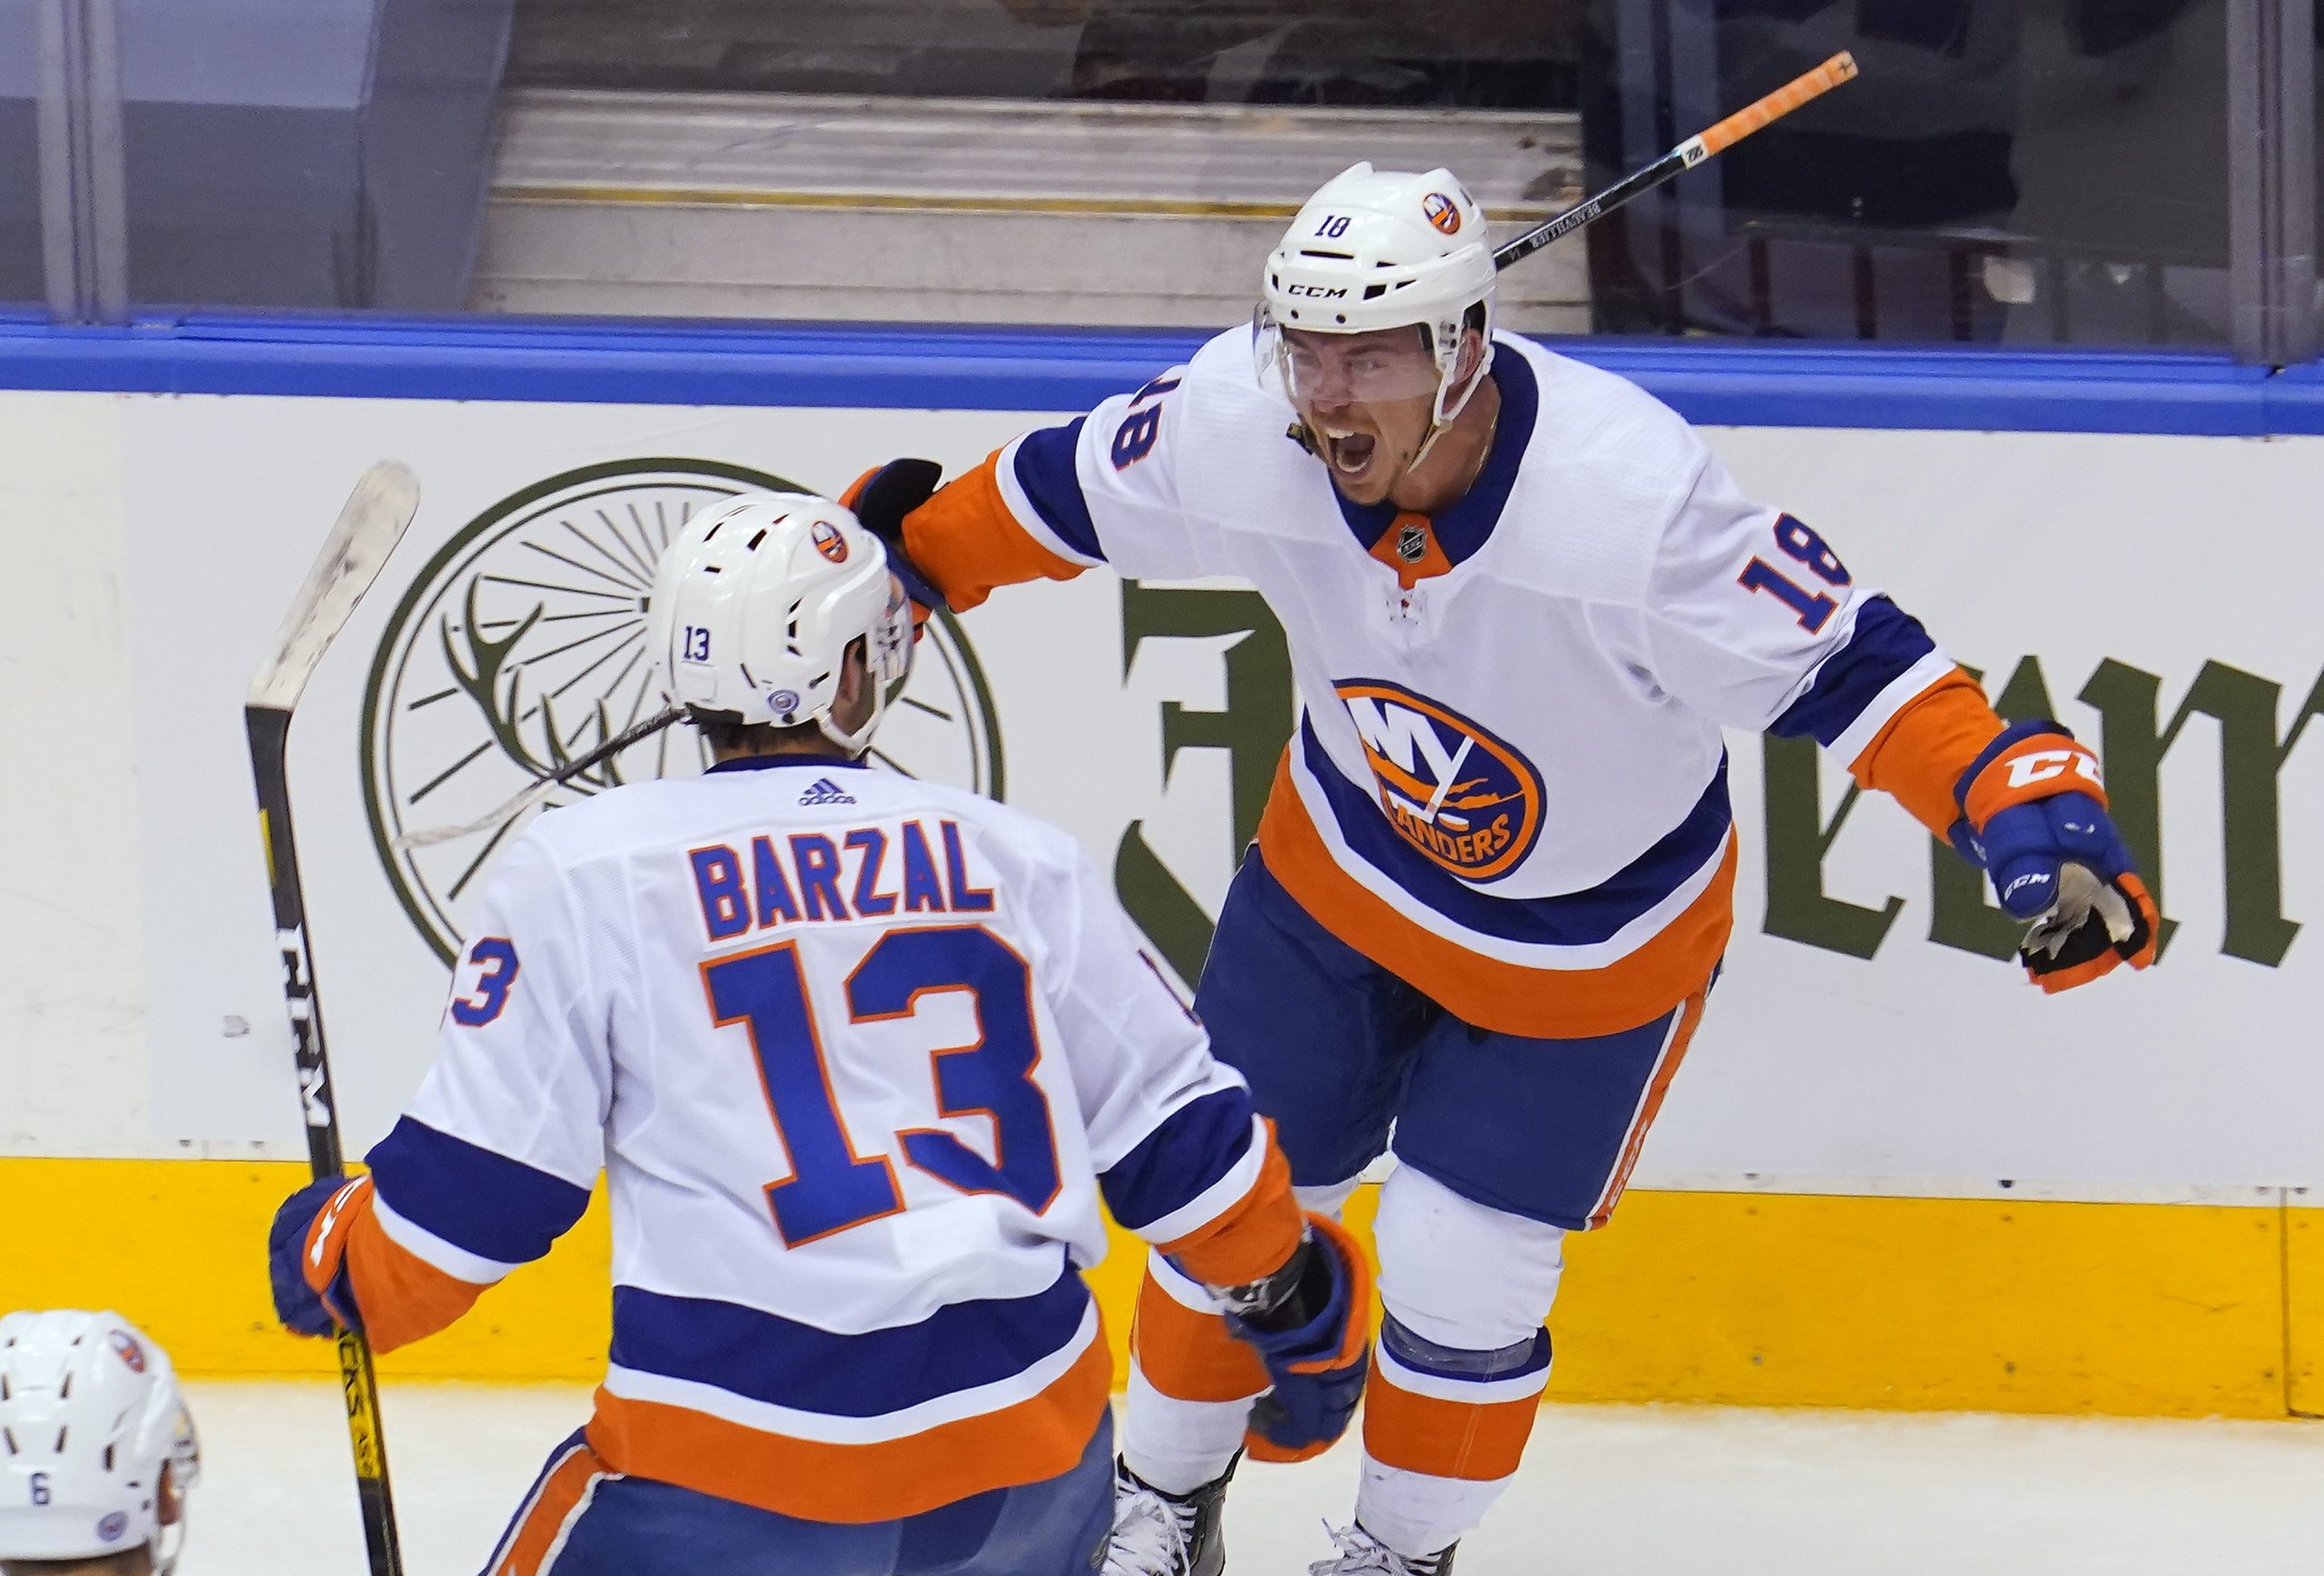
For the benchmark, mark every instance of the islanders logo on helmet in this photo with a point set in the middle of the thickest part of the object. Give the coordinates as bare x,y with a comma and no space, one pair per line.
1443,212
1454,791
126,1347
829,542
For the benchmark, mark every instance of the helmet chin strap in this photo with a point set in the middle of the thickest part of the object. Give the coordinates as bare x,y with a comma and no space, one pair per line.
168,1543
1436,430
1442,422
898,629
856,743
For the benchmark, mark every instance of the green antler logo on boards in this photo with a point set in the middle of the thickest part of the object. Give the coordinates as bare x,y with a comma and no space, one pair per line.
521,645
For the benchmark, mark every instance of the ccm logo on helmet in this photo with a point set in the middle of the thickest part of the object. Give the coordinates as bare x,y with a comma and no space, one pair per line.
829,542
1320,292
1443,212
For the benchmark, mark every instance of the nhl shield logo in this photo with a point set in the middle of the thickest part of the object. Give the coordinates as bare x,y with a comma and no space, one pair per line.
829,542
1460,796
1443,212
1412,543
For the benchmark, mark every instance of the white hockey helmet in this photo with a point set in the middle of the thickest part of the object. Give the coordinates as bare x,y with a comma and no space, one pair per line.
755,603
1381,248
91,1422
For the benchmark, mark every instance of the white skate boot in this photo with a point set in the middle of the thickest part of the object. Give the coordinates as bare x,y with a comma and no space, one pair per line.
1362,1554
1166,1534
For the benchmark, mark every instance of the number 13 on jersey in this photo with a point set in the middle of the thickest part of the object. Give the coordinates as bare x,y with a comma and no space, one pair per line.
831,1187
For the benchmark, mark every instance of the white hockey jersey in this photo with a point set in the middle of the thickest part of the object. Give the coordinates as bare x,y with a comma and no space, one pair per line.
1508,782
854,1052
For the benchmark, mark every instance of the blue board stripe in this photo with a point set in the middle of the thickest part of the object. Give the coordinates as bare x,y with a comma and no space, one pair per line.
1069,370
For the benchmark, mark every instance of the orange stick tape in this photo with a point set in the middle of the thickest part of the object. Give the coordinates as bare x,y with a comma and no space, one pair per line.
1800,90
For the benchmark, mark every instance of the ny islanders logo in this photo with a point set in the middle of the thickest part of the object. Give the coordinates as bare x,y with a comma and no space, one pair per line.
1452,790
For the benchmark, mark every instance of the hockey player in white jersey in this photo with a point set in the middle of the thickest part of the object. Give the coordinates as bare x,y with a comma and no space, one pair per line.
858,1056
1493,881
101,1449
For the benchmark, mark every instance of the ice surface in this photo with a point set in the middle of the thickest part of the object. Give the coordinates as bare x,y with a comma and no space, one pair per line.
1606,1491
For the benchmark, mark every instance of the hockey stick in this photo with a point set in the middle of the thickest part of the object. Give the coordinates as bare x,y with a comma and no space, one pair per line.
1800,90
368,527
509,809
1812,85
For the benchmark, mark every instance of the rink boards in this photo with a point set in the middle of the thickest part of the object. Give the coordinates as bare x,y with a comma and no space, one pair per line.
1890,1174
1780,1299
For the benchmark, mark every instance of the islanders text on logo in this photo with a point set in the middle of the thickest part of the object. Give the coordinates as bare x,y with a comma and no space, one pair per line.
1452,790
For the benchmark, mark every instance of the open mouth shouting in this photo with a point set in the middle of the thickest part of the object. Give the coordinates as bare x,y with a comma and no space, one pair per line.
1347,451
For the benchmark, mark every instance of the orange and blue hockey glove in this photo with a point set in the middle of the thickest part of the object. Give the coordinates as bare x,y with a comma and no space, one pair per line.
1310,1322
306,1256
2034,818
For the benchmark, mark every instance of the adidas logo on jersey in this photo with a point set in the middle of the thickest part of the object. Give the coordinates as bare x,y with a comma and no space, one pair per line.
823,790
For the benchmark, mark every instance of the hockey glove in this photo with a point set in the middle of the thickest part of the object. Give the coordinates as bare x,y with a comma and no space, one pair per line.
880,498
1310,1325
2034,817
306,1249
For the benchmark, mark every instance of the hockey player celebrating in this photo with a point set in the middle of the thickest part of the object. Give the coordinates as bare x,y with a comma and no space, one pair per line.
1493,881
101,1448
858,1055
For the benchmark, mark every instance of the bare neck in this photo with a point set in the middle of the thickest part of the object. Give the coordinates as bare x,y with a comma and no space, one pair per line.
1457,458
128,1563
801,742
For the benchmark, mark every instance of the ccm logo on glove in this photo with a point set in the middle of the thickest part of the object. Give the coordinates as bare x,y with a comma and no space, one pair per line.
2044,764
2034,815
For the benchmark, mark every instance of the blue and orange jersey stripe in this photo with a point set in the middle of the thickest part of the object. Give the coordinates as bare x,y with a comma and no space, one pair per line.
399,1297
1919,754
970,542
1651,980
1040,1436
1251,1238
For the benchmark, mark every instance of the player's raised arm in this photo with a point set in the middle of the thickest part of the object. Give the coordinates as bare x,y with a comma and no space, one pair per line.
1100,489
496,1156
1753,618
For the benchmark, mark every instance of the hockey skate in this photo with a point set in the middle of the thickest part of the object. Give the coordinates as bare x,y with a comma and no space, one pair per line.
1362,1554
1164,1534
